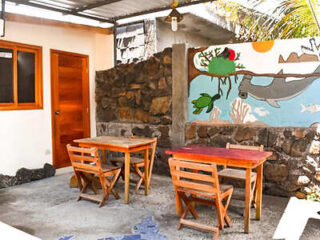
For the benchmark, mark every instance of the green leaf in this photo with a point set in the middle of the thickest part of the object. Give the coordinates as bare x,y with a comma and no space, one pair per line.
290,19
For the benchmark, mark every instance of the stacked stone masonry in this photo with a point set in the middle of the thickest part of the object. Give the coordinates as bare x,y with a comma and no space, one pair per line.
291,170
136,99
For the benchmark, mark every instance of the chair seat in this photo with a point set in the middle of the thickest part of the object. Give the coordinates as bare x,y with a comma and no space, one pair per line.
133,160
223,188
236,174
105,168
108,168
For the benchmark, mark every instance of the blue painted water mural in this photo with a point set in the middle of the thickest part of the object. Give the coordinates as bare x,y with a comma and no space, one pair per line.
289,113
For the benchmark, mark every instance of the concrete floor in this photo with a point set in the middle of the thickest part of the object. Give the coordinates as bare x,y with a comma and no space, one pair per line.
48,209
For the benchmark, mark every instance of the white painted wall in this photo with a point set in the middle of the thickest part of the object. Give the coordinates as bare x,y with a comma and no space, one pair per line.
25,136
166,37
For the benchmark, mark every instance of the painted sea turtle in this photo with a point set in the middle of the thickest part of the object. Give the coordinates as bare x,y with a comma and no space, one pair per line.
204,101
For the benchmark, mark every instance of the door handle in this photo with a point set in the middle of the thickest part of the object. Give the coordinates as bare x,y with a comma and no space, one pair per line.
57,112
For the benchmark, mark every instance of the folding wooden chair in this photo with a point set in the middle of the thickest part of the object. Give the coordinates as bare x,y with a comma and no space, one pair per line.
137,163
86,161
240,174
198,179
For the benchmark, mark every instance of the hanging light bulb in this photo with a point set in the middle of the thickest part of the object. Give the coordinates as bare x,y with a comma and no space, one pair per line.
174,24
174,17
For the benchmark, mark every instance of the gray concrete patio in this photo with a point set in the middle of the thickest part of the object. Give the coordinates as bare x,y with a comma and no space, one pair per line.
48,209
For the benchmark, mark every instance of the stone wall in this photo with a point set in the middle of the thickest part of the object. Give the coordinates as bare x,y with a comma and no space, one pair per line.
24,175
136,92
291,170
136,99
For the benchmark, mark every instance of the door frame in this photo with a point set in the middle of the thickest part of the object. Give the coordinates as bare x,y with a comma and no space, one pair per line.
85,95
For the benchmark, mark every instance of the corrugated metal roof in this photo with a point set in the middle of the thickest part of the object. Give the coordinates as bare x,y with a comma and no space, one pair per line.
128,7
105,10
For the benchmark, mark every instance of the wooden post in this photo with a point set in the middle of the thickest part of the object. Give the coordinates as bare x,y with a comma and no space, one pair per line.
180,93
115,25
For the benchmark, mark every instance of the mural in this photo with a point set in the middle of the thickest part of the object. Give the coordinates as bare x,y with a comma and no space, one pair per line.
274,83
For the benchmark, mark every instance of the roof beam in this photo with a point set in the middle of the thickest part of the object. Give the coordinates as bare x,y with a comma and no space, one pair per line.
162,9
94,5
64,11
12,17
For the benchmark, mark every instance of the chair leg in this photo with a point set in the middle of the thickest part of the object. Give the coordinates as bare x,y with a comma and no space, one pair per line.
253,194
225,208
105,190
189,205
91,179
111,183
183,216
80,184
220,212
141,175
78,177
84,186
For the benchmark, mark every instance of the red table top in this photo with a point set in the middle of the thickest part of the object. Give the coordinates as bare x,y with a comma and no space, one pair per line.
220,155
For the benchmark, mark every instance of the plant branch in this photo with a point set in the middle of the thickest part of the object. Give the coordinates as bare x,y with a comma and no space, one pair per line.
244,72
205,56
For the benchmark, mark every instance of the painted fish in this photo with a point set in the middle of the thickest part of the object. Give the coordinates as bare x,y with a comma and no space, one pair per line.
278,90
204,101
312,108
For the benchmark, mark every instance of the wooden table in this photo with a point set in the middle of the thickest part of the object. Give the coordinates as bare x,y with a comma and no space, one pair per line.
229,157
125,145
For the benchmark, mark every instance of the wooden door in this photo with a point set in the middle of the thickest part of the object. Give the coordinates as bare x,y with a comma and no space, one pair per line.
70,102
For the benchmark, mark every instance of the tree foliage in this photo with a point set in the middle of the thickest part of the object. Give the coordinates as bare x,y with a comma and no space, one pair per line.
288,19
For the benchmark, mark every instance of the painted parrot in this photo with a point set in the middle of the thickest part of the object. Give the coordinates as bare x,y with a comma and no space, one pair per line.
228,54
223,64
204,101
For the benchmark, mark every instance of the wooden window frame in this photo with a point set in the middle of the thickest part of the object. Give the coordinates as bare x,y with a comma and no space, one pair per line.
37,50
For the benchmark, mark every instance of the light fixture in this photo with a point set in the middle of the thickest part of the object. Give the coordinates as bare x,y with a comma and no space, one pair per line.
174,17
2,21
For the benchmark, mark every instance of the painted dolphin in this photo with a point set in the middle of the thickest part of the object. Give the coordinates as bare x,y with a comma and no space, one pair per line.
278,90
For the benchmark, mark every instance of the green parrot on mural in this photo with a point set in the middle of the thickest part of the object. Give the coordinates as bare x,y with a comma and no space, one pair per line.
204,101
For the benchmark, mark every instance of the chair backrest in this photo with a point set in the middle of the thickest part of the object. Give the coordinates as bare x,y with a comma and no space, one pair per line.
243,147
194,175
84,159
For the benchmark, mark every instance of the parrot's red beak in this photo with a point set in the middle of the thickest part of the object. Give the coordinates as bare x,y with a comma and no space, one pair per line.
232,55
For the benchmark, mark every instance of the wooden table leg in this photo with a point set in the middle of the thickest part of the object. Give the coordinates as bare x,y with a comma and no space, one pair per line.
146,172
259,191
126,177
104,156
247,202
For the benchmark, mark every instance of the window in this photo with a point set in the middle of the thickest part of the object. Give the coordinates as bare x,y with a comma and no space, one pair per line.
20,76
